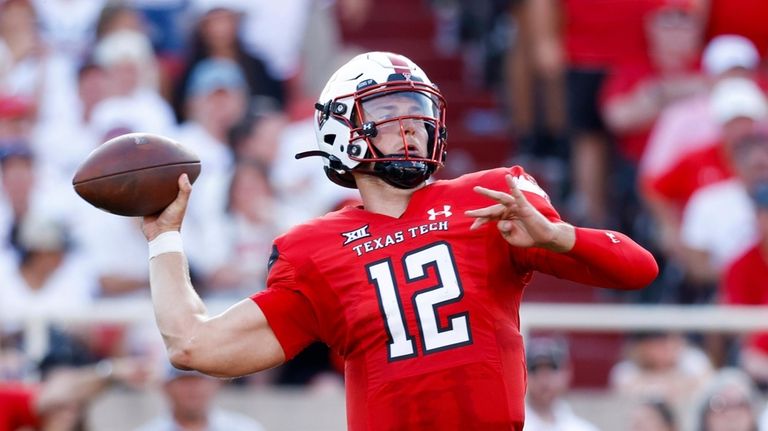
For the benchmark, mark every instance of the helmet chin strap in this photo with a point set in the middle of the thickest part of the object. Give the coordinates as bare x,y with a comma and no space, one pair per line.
402,174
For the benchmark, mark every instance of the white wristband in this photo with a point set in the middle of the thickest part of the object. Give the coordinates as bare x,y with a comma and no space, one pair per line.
166,242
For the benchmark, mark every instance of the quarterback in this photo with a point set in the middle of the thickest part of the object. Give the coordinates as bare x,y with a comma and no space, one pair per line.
418,289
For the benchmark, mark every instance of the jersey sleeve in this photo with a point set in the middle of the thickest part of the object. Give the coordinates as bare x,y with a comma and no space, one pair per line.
600,258
287,307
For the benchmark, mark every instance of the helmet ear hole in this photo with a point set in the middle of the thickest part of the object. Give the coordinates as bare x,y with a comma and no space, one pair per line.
329,139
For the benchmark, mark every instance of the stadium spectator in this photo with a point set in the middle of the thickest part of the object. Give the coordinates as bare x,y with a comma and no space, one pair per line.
267,137
216,36
634,95
245,239
729,402
258,134
549,377
586,42
403,365
50,275
300,38
738,104
661,365
708,251
535,94
687,126
67,25
37,73
127,58
26,189
62,147
218,95
120,262
116,17
191,400
217,101
17,117
637,93
691,123
59,402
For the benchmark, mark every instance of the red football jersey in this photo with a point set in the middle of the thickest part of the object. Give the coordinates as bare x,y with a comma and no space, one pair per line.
423,310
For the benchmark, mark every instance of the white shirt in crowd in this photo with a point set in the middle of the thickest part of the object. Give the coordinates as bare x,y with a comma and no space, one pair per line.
220,420
207,204
72,286
720,219
565,420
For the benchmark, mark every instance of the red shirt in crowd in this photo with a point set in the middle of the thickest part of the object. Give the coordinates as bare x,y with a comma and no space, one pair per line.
602,33
17,407
697,169
746,283
619,84
424,311
747,18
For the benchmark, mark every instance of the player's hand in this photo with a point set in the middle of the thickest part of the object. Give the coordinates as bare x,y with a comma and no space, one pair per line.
519,222
172,216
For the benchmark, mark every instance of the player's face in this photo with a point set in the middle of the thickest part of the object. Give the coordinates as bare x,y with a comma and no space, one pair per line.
405,135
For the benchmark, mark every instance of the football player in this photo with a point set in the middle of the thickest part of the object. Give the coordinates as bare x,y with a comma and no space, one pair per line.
418,289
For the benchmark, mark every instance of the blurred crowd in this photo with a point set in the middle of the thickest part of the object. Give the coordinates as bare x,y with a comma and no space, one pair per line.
647,116
657,111
222,77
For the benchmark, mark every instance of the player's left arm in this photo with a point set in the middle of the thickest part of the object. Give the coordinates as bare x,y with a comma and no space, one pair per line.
591,256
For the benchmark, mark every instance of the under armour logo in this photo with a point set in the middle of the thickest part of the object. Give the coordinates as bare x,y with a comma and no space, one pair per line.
407,76
355,234
446,212
613,238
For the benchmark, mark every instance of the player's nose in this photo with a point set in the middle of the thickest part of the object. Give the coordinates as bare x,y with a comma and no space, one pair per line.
409,125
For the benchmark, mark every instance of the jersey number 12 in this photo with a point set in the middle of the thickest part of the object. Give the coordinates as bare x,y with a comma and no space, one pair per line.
425,302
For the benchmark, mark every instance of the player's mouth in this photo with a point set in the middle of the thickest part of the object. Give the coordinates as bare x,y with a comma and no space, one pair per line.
410,151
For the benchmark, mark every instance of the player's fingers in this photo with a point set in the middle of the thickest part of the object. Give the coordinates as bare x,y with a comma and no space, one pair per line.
495,210
185,185
514,190
179,205
505,226
496,195
185,188
478,222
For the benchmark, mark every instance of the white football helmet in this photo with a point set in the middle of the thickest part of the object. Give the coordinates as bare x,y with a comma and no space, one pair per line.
344,132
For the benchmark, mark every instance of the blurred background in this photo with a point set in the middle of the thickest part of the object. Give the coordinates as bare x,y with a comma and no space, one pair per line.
645,116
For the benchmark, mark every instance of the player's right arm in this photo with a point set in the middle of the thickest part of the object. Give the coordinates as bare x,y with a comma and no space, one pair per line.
237,342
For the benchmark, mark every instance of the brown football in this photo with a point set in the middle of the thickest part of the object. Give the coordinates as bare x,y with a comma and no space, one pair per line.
135,174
